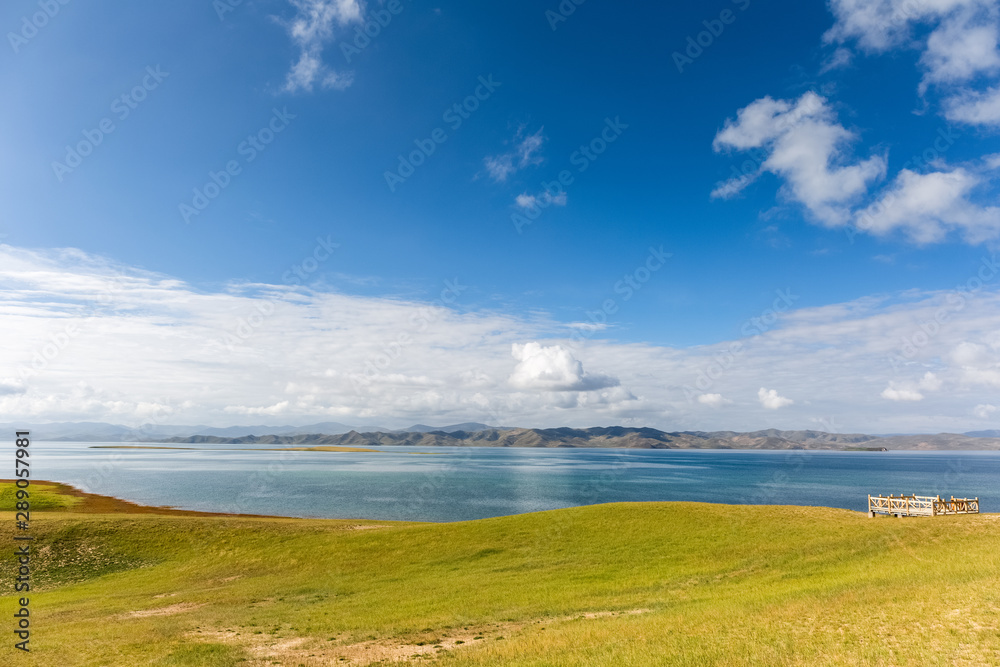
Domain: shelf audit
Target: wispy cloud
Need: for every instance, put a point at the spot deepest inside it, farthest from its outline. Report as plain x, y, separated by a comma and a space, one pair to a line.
528, 201
311, 29
525, 154
839, 59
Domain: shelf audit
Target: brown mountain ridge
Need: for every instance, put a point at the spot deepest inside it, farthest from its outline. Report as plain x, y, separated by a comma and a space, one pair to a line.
616, 437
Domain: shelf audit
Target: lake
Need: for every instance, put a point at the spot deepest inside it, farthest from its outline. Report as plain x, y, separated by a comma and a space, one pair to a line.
461, 483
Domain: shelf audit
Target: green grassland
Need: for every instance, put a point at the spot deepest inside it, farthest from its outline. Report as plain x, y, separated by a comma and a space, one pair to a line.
621, 584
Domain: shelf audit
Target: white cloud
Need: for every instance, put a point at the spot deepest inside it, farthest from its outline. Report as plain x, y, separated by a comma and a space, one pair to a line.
927, 206
500, 167
152, 348
901, 394
770, 400
713, 400
959, 50
839, 59
553, 368
958, 40
311, 30
985, 410
879, 25
503, 166
527, 201
912, 391
524, 200
269, 411
975, 108
930, 382
807, 148
734, 186
978, 363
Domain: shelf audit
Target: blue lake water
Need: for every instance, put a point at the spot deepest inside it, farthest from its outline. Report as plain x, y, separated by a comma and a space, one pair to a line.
461, 483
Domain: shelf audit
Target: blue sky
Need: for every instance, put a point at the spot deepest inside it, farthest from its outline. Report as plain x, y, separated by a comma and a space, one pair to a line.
866, 134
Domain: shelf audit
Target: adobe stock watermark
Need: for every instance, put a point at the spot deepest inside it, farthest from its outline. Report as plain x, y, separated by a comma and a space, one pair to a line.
223, 7
31, 24
714, 28
752, 328
248, 149
121, 108
297, 274
562, 12
454, 116
371, 29
627, 287
555, 191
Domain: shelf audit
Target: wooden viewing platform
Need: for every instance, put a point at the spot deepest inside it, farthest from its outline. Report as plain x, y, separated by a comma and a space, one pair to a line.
903, 505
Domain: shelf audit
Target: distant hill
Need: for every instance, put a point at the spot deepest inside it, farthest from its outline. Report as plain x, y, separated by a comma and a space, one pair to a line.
994, 433
102, 432
474, 434
617, 437
470, 427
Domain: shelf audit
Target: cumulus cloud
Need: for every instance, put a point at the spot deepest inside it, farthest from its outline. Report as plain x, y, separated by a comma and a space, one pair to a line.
959, 50
525, 154
985, 410
978, 363
713, 400
975, 108
311, 29
912, 391
927, 206
807, 149
770, 400
892, 393
553, 368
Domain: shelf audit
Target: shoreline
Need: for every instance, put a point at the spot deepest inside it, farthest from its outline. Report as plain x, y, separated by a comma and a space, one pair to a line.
95, 503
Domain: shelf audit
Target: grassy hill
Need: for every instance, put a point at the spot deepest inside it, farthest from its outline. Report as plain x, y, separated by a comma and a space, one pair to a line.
623, 584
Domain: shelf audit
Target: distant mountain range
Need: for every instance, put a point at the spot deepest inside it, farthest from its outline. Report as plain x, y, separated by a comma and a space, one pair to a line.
102, 432
619, 437
473, 434
984, 434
